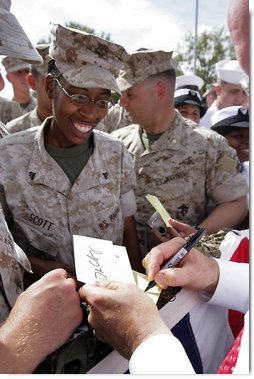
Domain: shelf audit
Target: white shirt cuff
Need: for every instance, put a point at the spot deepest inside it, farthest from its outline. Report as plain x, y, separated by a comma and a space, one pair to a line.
160, 354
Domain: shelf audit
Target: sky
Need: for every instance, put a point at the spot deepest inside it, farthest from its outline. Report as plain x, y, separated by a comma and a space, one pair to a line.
156, 24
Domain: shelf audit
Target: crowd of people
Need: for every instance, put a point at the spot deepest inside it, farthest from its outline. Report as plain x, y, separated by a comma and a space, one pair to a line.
73, 163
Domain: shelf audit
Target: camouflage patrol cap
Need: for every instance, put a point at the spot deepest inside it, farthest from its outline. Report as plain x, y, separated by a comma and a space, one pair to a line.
12, 64
43, 50
143, 64
85, 60
13, 40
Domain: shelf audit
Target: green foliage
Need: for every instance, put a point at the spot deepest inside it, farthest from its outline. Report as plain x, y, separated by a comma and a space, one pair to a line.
212, 46
78, 26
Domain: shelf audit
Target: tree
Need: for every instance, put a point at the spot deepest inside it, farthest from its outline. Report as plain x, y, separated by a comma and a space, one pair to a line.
212, 47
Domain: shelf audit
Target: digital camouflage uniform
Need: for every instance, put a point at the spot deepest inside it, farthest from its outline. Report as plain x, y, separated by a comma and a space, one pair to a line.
13, 262
3, 131
116, 118
24, 122
46, 209
183, 168
31, 118
9, 110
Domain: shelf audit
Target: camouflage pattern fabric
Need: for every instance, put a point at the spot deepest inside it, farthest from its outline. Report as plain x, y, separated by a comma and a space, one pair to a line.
13, 262
43, 50
142, 64
116, 118
85, 60
24, 122
13, 64
46, 209
9, 110
185, 167
3, 131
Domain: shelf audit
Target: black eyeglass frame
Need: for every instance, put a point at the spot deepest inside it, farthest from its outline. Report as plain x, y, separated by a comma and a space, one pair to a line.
85, 100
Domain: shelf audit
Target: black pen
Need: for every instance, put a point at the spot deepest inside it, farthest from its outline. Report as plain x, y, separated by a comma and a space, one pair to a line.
180, 254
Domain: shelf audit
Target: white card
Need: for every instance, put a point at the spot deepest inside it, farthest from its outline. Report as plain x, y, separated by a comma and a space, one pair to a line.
97, 259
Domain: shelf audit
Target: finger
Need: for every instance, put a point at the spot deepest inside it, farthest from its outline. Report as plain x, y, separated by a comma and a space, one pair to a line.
172, 277
107, 284
86, 292
160, 254
98, 295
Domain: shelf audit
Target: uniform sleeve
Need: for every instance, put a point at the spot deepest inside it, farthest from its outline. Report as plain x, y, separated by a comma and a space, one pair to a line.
225, 181
128, 201
160, 354
233, 287
128, 178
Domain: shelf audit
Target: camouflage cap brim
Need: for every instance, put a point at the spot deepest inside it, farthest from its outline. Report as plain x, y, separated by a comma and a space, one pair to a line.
86, 60
13, 40
126, 80
143, 64
88, 76
13, 64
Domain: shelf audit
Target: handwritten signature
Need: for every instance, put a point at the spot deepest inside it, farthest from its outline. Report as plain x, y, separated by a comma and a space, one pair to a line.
98, 272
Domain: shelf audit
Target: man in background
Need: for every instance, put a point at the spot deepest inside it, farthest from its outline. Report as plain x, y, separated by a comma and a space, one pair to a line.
229, 89
17, 71
37, 82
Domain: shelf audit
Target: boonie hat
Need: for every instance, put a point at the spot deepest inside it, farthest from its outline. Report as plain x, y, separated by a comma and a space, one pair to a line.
229, 118
43, 50
12, 64
187, 96
230, 71
85, 60
143, 64
189, 80
13, 40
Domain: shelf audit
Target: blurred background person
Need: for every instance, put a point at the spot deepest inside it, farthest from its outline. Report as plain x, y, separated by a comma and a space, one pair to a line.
36, 80
17, 71
189, 104
194, 82
233, 124
228, 89
210, 95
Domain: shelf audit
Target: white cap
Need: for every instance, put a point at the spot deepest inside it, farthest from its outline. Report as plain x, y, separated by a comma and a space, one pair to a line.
230, 71
193, 80
188, 96
226, 118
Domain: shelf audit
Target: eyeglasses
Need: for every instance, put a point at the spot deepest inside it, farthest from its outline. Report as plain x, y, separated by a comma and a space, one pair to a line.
85, 100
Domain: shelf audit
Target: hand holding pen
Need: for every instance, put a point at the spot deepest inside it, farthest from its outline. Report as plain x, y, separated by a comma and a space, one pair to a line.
173, 261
